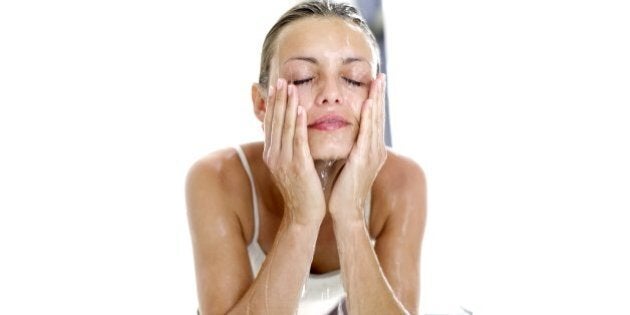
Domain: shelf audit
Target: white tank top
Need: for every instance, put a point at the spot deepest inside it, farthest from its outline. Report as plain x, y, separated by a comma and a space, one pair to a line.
322, 293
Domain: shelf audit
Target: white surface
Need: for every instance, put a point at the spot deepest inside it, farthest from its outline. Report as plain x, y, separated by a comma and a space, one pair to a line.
518, 112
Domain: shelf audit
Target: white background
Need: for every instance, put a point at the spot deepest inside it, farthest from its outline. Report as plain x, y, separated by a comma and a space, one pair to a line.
517, 112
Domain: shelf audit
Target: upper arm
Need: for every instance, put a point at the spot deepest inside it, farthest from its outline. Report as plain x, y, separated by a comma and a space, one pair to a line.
220, 250
398, 245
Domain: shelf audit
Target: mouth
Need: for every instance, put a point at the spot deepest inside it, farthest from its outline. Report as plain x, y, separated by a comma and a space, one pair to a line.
329, 123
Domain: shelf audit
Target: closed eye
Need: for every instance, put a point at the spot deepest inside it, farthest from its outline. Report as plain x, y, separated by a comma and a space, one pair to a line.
303, 81
353, 82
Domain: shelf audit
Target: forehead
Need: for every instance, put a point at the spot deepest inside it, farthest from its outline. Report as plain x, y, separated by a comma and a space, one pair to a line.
323, 37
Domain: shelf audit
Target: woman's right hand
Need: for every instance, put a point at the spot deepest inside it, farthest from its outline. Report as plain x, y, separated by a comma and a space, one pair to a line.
288, 156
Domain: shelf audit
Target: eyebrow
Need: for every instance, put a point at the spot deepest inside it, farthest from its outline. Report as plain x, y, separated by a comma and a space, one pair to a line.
307, 59
312, 60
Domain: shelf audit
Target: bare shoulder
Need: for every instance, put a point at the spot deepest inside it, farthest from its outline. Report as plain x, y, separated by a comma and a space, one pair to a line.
215, 172
215, 167
215, 186
398, 193
398, 223
400, 175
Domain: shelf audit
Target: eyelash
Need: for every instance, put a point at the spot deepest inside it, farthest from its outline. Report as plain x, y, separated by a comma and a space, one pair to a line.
353, 82
303, 81
349, 81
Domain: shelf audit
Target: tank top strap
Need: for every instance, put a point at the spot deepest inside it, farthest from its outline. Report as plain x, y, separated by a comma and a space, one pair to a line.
248, 170
367, 211
367, 208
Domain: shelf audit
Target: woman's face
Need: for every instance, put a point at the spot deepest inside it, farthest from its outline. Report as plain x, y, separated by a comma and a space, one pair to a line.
332, 64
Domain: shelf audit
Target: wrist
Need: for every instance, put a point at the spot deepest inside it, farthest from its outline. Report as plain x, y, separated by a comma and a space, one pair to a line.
346, 226
313, 220
347, 215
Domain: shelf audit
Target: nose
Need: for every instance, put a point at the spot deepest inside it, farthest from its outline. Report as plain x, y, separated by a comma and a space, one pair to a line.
330, 93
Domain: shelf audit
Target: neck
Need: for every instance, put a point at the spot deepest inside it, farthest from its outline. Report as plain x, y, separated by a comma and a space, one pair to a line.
328, 170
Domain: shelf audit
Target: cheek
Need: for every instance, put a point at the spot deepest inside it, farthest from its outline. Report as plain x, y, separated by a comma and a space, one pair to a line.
353, 97
356, 101
305, 94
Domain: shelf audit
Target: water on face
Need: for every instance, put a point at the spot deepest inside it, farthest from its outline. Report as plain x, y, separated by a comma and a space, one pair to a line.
325, 172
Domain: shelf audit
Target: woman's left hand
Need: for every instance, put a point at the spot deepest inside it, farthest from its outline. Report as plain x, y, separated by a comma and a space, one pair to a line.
365, 160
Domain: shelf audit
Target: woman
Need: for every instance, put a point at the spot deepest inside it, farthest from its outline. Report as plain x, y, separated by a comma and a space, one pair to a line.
321, 215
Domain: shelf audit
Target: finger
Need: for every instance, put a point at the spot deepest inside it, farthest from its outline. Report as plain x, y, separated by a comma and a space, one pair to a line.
365, 126
372, 94
289, 122
278, 117
379, 113
301, 150
269, 116
381, 147
369, 128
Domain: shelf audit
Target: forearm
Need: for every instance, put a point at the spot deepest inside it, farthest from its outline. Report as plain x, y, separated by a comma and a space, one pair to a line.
368, 291
277, 288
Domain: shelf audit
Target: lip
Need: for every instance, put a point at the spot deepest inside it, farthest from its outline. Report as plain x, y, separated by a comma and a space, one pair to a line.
328, 122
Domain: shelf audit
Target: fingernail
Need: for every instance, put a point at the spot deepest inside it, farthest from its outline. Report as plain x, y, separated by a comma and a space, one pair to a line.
300, 110
279, 85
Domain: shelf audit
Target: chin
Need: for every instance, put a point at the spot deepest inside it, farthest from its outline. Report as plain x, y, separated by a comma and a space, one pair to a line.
333, 145
329, 154
330, 150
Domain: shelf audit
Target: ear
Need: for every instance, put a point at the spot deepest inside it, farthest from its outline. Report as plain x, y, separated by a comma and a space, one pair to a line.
259, 100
